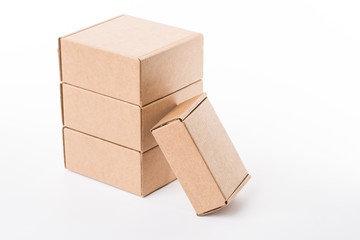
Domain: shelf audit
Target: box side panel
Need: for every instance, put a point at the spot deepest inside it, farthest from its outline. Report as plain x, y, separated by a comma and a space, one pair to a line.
103, 161
100, 71
102, 116
189, 166
216, 148
155, 111
171, 69
156, 171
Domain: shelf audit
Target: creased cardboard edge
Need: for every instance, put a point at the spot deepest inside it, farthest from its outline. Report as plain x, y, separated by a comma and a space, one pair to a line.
152, 102
88, 90
197, 147
142, 175
232, 196
201, 98
141, 133
59, 56
63, 139
93, 26
147, 194
188, 38
62, 104
169, 94
110, 141
105, 140
238, 188
193, 108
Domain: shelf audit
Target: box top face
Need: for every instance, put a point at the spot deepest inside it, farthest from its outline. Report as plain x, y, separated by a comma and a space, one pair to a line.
129, 36
181, 111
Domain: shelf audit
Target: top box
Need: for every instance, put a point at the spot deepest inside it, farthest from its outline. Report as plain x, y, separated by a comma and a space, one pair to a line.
131, 59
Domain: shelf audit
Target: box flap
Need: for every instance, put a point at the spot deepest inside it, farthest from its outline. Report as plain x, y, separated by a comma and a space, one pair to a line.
181, 111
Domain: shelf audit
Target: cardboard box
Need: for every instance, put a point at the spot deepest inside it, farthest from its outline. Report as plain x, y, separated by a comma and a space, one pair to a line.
201, 154
135, 172
131, 59
117, 121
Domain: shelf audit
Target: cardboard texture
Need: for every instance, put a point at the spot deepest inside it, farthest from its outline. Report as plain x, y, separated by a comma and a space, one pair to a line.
135, 172
131, 59
118, 78
201, 154
117, 121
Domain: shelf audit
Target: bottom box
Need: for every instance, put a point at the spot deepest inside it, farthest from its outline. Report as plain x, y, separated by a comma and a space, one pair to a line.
135, 172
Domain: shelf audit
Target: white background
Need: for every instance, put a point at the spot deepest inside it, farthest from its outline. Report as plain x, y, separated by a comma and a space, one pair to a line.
283, 77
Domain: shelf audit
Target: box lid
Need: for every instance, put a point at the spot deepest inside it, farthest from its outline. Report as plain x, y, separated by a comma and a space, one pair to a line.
201, 154
131, 59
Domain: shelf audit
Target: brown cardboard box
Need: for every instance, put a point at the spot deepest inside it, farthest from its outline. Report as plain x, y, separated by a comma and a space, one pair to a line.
117, 121
119, 78
131, 59
201, 154
135, 172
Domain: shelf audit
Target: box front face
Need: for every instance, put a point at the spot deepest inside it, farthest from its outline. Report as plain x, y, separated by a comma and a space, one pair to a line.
153, 112
102, 117
100, 71
103, 161
216, 148
189, 167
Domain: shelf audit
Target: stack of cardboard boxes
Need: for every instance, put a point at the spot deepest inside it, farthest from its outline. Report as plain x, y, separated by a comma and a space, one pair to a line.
119, 78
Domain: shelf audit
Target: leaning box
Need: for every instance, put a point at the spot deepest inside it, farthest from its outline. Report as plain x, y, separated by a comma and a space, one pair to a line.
201, 154
119, 78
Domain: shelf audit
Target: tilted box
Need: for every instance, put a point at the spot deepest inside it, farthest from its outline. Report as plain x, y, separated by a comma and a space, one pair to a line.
201, 154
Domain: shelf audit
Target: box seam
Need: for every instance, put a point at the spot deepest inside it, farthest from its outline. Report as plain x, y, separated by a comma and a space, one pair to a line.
101, 49
142, 174
241, 184
90, 135
210, 211
63, 137
181, 118
141, 109
60, 60
62, 104
167, 95
103, 139
238, 187
85, 89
